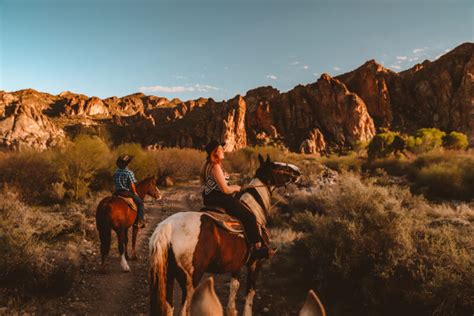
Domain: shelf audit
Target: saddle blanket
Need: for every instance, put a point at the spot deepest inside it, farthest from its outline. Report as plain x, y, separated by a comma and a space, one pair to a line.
128, 200
224, 220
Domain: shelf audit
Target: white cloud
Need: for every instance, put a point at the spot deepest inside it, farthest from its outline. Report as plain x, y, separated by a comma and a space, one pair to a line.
316, 74
336, 68
395, 67
294, 63
402, 57
413, 59
179, 89
179, 77
419, 50
305, 67
273, 77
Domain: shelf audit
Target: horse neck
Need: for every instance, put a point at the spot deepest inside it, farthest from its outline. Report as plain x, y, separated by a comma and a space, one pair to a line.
264, 190
141, 189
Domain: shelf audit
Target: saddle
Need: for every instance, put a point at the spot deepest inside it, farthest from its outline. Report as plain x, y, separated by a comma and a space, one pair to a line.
224, 220
127, 200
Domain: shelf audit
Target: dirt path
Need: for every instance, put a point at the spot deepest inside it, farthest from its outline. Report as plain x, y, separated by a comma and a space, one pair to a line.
118, 293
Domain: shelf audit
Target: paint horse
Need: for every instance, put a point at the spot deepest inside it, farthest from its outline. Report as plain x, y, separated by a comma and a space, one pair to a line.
188, 244
114, 212
206, 303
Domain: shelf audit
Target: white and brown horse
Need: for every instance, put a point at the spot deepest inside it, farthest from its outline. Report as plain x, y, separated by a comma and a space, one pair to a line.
188, 244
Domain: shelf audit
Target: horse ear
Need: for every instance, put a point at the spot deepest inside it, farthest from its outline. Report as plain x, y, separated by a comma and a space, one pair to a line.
205, 300
312, 306
268, 158
260, 159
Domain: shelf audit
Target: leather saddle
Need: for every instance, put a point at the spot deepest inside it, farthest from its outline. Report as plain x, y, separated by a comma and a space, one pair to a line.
127, 200
224, 220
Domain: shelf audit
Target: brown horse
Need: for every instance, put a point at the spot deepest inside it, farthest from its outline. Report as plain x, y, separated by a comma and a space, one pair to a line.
114, 213
188, 244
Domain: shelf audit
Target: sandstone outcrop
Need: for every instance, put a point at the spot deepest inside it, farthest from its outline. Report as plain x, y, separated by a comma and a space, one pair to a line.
314, 144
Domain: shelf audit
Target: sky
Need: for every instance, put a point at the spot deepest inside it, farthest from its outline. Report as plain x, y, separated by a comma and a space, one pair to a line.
189, 49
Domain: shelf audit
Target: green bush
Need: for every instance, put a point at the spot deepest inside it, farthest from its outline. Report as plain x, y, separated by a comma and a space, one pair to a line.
456, 141
79, 162
425, 140
373, 250
379, 146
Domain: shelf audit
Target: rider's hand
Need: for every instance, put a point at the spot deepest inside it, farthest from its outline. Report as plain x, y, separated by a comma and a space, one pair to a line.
236, 188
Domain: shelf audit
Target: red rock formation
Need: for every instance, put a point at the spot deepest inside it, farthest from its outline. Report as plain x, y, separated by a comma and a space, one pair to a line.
370, 82
314, 144
342, 109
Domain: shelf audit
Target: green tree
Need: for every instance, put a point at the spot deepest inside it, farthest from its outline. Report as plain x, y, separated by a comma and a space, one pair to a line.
79, 161
455, 140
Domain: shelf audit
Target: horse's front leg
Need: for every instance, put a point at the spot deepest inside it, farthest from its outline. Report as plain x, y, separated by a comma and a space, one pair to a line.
253, 269
234, 288
134, 242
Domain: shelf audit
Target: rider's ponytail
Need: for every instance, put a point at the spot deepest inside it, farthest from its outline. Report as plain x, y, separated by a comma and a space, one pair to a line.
203, 171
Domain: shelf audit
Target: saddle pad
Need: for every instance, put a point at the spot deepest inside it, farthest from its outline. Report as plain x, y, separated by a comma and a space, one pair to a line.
227, 222
129, 201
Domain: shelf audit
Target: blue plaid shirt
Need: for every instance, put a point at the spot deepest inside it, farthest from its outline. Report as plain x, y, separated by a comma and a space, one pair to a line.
123, 179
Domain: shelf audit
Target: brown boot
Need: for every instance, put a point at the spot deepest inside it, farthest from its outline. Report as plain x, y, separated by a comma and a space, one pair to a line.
263, 252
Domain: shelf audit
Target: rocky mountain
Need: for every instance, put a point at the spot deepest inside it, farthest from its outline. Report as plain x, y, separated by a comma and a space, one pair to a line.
333, 111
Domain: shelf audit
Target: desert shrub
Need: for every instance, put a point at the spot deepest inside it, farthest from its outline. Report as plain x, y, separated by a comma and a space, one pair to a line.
446, 175
373, 250
379, 146
37, 254
79, 162
360, 146
392, 165
32, 174
351, 162
425, 140
182, 163
455, 140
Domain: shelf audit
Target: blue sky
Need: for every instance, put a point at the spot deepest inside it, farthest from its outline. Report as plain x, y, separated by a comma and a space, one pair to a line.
189, 49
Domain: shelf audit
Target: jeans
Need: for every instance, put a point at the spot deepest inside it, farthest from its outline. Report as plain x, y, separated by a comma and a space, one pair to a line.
235, 208
138, 201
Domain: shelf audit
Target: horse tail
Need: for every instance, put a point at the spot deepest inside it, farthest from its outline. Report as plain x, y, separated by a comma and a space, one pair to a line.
160, 243
104, 226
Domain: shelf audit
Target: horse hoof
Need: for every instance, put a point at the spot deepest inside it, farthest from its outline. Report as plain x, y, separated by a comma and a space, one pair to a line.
134, 258
126, 270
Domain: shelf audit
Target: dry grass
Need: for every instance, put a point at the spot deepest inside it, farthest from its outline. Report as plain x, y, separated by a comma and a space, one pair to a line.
39, 246
380, 250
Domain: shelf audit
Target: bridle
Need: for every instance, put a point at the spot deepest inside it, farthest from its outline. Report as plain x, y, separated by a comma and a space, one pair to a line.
276, 185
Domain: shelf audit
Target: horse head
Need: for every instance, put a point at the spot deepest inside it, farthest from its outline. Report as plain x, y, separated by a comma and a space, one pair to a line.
148, 187
277, 173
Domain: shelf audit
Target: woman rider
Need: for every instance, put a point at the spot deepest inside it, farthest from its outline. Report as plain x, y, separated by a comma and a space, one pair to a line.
217, 192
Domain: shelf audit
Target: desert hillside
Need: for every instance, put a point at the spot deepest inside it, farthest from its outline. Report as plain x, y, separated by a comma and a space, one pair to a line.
331, 112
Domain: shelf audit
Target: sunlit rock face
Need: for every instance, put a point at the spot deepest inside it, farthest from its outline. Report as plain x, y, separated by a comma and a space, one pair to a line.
333, 111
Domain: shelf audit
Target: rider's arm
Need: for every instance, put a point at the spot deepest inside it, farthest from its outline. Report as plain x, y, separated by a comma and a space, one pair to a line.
132, 182
134, 188
221, 181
